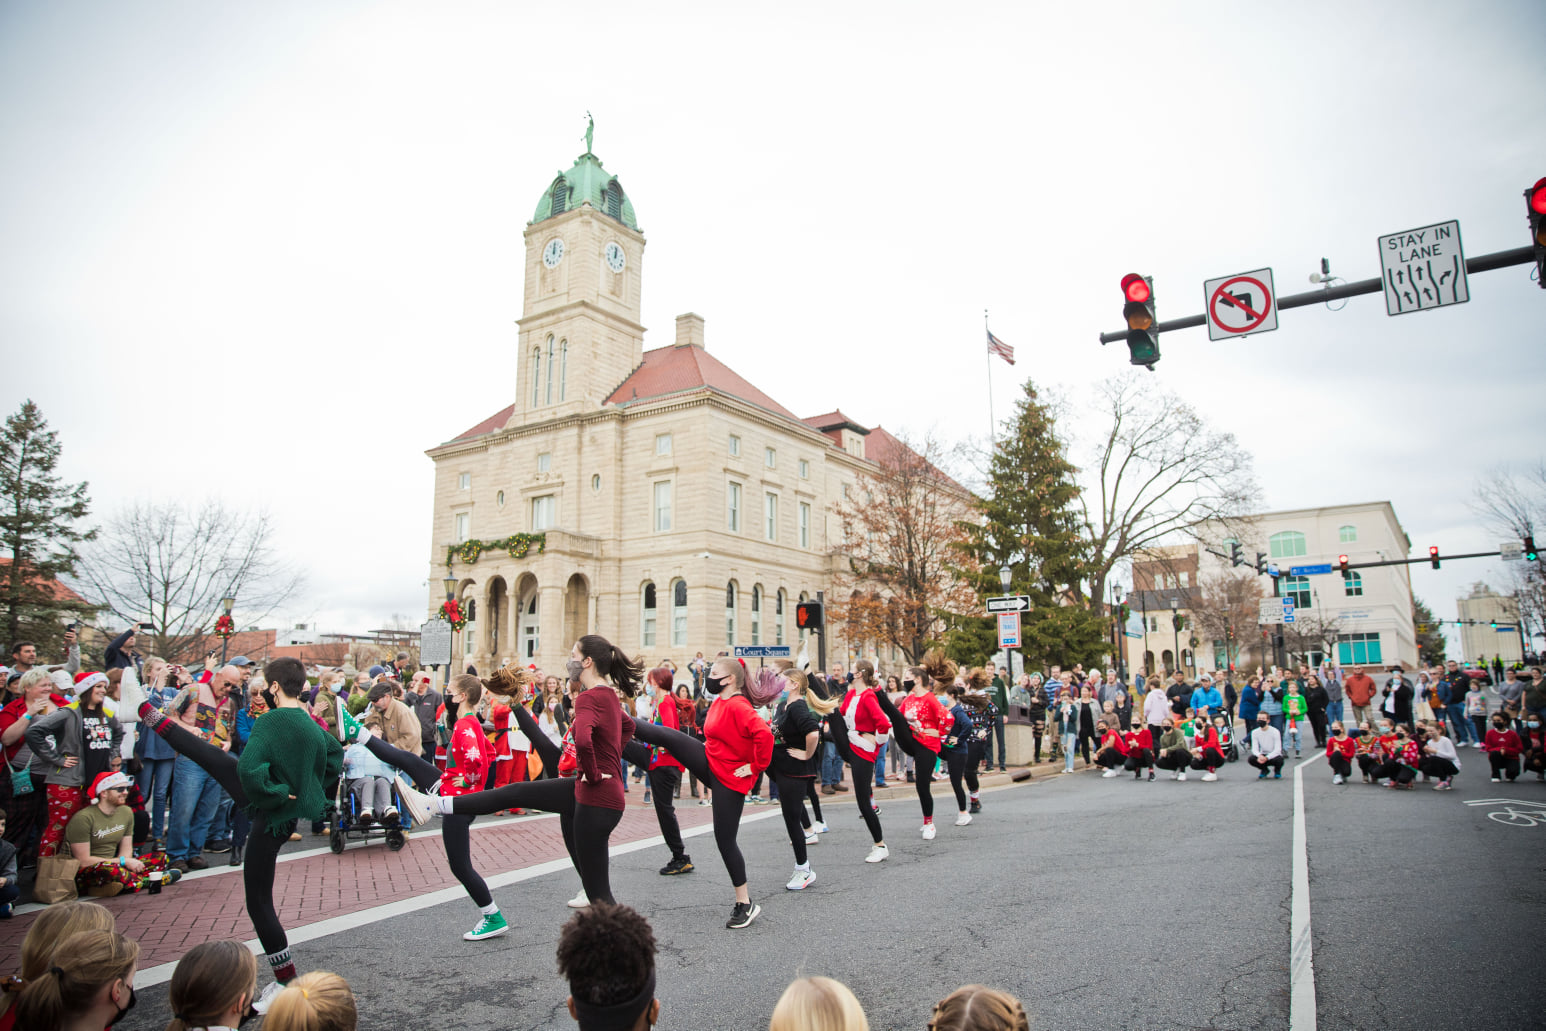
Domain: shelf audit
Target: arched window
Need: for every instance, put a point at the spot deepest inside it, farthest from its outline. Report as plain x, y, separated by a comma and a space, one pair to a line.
1347, 534
679, 614
1297, 588
647, 630
757, 614
563, 367
536, 376
1288, 544
548, 392
730, 614
614, 200
1353, 585
560, 197
778, 617
531, 628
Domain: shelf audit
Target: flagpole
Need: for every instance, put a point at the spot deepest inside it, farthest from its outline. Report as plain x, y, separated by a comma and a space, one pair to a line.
992, 424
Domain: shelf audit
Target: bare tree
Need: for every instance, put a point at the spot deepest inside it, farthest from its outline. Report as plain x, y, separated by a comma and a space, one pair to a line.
901, 551
1312, 630
1160, 472
174, 564
1226, 610
1512, 503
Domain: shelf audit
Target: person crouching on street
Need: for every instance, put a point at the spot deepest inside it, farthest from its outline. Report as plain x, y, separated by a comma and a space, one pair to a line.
1266, 748
1439, 758
1401, 766
1112, 752
1140, 751
1172, 753
1207, 750
1341, 750
1503, 748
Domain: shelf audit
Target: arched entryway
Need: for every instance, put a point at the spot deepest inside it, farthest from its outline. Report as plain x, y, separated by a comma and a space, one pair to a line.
496, 605
576, 609
528, 620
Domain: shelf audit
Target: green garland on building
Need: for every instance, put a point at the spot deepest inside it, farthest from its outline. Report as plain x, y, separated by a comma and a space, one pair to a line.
518, 545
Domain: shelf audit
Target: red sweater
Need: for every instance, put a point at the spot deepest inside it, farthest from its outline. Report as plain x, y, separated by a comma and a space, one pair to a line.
1139, 740
469, 758
666, 715
601, 729
862, 715
1504, 741
733, 736
1208, 738
1346, 746
1113, 739
930, 715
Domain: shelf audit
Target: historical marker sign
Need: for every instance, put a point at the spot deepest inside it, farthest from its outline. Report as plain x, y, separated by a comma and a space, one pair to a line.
1240, 304
435, 643
1423, 268
1009, 629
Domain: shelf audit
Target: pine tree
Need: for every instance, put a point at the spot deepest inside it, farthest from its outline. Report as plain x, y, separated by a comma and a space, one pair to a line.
1430, 635
1030, 522
37, 528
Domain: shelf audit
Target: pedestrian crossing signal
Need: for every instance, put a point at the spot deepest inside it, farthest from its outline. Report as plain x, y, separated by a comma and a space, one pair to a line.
1531, 555
808, 615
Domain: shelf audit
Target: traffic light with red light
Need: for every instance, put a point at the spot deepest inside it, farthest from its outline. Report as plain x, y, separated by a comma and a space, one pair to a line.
1138, 310
1433, 555
1342, 564
808, 616
1535, 205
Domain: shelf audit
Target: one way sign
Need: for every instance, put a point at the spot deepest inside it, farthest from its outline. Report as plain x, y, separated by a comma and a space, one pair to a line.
1010, 603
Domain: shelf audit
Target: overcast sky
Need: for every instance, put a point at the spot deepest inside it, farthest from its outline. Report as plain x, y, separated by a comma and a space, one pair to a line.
271, 253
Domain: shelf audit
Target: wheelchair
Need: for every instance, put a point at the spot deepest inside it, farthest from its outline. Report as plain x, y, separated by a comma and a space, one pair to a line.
344, 826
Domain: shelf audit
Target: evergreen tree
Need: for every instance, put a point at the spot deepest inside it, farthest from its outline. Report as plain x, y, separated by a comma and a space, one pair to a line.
1030, 522
1430, 635
37, 529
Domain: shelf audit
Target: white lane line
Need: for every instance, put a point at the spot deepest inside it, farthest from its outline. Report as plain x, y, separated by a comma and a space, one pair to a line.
349, 921
1301, 998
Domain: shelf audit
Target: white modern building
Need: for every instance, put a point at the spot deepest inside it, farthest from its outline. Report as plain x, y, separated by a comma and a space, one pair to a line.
1489, 626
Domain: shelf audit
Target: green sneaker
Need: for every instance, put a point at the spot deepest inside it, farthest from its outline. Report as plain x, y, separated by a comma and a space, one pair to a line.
350, 730
491, 926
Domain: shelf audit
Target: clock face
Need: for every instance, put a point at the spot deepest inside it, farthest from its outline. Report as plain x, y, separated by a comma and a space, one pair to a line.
616, 259
553, 253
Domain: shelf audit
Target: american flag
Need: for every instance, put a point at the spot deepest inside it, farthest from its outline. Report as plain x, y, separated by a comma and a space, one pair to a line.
998, 347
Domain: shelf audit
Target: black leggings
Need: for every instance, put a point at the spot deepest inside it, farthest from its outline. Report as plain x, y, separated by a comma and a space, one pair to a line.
1503, 765
1178, 759
455, 828
924, 757
664, 781
812, 796
1340, 764
262, 845
791, 799
728, 803
864, 775
956, 761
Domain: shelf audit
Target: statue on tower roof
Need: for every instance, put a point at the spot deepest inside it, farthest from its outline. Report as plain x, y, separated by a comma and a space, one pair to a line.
590, 130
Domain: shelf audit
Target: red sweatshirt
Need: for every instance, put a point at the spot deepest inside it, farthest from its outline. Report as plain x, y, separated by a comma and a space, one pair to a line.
468, 759
1113, 739
1347, 746
733, 736
665, 716
1139, 739
930, 715
601, 729
862, 715
1207, 738
1505, 741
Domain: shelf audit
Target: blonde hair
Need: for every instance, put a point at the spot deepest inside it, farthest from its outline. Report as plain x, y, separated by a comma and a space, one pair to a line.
819, 704
818, 1004
32, 676
211, 978
512, 681
78, 968
318, 1001
976, 1007
54, 925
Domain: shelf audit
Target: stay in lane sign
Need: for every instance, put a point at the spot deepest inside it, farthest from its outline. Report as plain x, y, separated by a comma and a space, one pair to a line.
1240, 304
1423, 268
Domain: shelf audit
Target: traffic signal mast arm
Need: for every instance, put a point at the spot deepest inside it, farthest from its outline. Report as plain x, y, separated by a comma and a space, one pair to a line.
1481, 263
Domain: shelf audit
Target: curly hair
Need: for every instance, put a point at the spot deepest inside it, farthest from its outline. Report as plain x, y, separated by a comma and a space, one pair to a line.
940, 668
607, 952
512, 681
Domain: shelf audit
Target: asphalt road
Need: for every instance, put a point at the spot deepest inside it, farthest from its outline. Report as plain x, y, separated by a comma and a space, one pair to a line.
1100, 903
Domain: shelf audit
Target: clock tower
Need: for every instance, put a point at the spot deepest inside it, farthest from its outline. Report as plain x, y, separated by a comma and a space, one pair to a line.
580, 331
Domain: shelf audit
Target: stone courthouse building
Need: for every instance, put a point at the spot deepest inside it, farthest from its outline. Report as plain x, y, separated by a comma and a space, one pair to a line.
654, 497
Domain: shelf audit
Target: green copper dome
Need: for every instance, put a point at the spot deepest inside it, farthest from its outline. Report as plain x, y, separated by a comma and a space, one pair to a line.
586, 182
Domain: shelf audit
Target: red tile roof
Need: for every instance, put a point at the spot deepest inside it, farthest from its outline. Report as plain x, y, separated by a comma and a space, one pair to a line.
494, 422
60, 592
882, 448
675, 370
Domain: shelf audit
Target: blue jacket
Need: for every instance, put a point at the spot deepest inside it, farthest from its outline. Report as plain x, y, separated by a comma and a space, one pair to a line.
1250, 703
153, 746
1211, 698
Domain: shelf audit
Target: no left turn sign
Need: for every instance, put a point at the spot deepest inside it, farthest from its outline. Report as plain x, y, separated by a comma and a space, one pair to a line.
1240, 304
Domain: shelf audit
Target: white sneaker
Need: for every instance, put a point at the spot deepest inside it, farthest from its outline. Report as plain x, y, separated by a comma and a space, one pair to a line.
928, 831
877, 854
801, 880
1175, 775
1181, 775
580, 901
264, 1001
1210, 776
416, 802
819, 826
1109, 773
963, 819
1337, 779
1497, 780
812, 838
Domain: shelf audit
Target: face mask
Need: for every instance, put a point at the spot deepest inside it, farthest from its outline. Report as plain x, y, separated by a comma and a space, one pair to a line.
1497, 725
122, 1012
715, 685
1263, 726
1534, 724
1358, 733
574, 667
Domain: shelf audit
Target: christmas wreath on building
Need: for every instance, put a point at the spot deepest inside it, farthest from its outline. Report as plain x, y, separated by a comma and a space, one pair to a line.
451, 612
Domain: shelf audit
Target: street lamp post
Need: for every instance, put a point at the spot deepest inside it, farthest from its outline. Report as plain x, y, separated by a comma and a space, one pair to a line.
449, 583
1117, 632
1175, 622
228, 603
1005, 574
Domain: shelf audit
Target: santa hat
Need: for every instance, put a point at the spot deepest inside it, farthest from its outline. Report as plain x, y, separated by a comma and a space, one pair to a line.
108, 781
85, 681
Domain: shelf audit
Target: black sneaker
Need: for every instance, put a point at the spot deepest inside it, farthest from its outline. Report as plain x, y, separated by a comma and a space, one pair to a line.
218, 847
975, 807
197, 863
743, 914
678, 864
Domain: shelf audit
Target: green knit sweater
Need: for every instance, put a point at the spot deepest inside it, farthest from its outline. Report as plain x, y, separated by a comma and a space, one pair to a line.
289, 754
